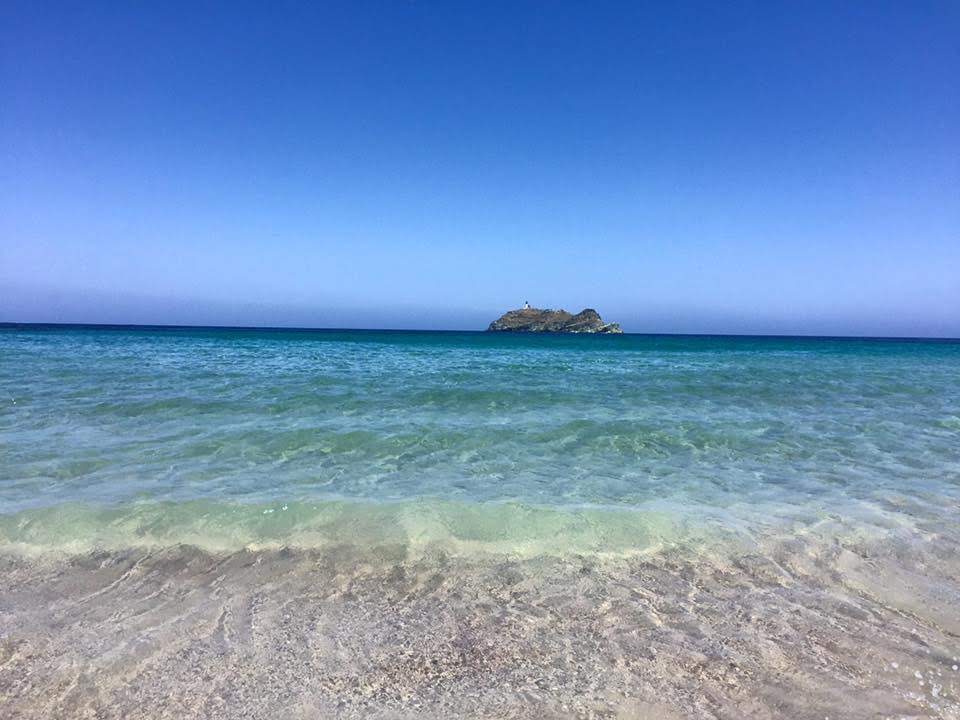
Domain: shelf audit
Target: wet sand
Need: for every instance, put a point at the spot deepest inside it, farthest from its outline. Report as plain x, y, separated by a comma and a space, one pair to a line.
794, 629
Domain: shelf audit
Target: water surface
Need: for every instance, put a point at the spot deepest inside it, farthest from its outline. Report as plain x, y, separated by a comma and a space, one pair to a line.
245, 436
301, 524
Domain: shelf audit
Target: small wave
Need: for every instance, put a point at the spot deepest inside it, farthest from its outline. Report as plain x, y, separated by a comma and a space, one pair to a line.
513, 529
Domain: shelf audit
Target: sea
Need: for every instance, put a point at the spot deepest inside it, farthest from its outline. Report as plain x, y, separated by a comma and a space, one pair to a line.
485, 524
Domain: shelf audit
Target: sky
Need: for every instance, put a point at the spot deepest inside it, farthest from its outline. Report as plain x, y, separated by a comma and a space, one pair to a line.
737, 167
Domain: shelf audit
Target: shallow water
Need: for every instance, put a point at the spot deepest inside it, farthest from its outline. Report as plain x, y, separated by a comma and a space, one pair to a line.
203, 430
703, 526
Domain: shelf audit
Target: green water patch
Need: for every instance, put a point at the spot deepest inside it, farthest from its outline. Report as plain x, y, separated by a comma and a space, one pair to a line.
416, 526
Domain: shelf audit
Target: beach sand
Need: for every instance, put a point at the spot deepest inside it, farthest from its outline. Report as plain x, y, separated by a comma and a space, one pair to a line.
797, 628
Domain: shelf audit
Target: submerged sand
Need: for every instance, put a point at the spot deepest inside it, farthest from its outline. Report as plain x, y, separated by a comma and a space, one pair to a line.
793, 629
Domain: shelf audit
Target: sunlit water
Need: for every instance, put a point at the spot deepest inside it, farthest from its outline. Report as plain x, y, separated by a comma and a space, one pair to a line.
262, 524
525, 444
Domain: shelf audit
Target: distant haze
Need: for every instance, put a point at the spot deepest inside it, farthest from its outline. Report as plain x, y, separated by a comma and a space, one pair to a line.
727, 168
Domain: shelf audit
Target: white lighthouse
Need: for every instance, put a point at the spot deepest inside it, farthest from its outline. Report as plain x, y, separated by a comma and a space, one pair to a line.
526, 305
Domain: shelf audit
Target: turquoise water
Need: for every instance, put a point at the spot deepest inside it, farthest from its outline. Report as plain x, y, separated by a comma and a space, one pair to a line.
243, 437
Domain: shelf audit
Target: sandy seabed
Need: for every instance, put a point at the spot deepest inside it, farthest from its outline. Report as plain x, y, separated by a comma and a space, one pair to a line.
796, 629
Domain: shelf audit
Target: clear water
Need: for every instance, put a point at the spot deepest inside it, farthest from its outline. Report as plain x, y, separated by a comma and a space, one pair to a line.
231, 438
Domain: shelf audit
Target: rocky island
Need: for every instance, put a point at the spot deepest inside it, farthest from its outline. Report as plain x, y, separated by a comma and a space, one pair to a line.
528, 319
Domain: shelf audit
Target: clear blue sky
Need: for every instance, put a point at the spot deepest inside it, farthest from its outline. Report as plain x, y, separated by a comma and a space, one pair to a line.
682, 167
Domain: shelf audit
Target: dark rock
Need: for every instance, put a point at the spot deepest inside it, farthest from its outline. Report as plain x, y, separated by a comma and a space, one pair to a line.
536, 320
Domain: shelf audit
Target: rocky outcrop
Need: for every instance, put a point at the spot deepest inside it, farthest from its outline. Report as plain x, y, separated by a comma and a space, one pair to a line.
536, 320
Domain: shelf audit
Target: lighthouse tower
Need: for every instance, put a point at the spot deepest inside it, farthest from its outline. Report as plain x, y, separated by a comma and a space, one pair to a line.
526, 305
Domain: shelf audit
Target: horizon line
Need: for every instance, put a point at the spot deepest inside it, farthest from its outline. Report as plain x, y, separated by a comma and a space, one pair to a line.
280, 328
